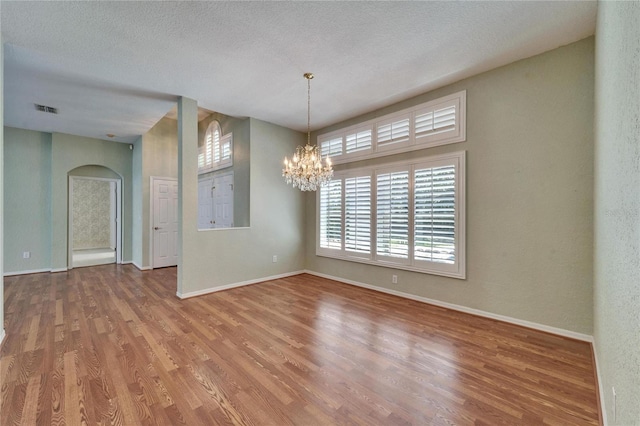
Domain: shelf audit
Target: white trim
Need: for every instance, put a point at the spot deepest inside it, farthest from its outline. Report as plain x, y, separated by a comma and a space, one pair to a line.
234, 285
27, 272
2, 336
457, 270
53, 271
118, 218
600, 385
141, 268
412, 143
528, 324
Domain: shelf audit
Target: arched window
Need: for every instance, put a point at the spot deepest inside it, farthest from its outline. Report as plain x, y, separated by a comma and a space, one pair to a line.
217, 150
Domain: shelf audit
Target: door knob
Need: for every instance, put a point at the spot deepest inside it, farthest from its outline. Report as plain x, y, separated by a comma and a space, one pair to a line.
156, 228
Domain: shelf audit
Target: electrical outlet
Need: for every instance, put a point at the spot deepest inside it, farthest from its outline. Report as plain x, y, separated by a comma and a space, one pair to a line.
394, 279
613, 391
275, 258
26, 254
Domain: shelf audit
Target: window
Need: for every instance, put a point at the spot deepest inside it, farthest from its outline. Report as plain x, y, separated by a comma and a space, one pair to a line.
407, 215
217, 150
393, 132
331, 215
331, 147
357, 214
358, 141
392, 215
438, 122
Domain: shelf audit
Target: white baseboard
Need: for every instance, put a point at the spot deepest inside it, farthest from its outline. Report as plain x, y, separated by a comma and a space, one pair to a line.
460, 308
600, 385
59, 270
31, 271
234, 285
142, 268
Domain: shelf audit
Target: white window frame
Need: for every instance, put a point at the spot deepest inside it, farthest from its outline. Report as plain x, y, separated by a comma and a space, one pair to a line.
456, 270
453, 135
212, 164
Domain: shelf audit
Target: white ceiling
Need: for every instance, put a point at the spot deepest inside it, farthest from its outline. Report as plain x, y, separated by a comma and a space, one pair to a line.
118, 67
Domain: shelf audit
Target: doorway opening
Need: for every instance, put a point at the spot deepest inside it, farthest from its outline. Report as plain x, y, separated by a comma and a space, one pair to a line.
95, 228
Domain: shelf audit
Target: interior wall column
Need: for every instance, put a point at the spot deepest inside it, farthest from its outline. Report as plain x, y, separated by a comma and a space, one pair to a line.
187, 182
2, 334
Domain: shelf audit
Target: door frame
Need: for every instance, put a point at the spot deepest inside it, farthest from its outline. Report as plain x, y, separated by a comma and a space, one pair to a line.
118, 220
152, 179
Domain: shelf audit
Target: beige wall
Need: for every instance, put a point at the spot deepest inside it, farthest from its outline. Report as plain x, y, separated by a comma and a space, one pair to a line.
529, 195
156, 154
617, 209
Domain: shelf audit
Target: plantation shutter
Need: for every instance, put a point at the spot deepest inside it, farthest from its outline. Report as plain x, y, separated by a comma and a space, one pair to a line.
393, 214
395, 131
357, 200
201, 157
358, 141
331, 147
216, 147
225, 150
435, 215
433, 122
205, 156
331, 215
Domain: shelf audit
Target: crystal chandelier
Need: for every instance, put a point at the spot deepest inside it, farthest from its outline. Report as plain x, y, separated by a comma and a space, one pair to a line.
305, 170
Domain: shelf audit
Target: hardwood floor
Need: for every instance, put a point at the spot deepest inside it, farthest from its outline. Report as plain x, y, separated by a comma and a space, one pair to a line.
113, 345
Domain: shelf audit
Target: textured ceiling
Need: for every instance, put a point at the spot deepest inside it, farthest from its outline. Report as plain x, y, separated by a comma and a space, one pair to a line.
118, 67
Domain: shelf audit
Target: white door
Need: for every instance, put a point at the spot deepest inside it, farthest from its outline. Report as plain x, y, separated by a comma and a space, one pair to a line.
223, 201
165, 222
205, 204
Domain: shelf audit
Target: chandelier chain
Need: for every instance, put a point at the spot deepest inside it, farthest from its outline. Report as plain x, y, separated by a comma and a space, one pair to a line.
309, 108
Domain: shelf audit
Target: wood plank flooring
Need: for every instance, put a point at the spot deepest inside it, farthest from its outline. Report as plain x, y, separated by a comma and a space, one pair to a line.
113, 345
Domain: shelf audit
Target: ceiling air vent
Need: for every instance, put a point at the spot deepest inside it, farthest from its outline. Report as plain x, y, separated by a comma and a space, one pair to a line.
44, 108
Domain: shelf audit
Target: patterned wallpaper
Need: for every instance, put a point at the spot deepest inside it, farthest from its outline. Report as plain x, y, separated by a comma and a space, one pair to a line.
91, 202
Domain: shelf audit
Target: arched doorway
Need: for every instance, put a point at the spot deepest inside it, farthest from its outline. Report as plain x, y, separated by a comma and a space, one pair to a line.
95, 210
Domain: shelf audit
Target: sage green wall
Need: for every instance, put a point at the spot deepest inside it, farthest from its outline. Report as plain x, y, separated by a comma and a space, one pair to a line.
617, 209
216, 258
529, 194
27, 192
94, 171
36, 186
156, 154
69, 152
241, 165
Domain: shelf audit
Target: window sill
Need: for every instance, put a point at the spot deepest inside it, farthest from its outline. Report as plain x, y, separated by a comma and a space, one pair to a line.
460, 274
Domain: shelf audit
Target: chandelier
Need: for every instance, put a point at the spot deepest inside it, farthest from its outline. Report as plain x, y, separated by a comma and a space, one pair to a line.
305, 170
